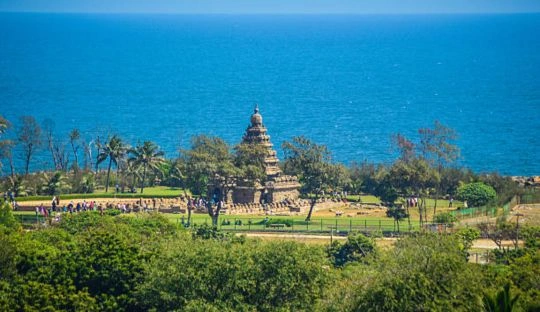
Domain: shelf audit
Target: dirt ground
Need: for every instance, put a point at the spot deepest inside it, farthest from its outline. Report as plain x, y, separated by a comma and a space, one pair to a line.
528, 214
479, 244
348, 210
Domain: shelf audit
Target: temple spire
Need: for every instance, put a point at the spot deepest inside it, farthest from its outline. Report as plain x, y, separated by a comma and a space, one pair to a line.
256, 133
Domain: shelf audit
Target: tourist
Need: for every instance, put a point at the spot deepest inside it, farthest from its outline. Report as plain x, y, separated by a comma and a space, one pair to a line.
450, 202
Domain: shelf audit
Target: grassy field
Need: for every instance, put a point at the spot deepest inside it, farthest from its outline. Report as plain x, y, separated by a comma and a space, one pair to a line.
149, 192
250, 223
297, 224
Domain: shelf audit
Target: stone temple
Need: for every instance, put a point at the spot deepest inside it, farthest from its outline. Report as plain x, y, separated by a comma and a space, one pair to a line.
277, 187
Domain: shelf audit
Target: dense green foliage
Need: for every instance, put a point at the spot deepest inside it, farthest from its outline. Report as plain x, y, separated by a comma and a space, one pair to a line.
444, 218
144, 263
356, 247
476, 194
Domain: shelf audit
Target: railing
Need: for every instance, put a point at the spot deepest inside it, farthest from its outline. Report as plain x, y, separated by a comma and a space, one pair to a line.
486, 211
531, 197
477, 212
315, 226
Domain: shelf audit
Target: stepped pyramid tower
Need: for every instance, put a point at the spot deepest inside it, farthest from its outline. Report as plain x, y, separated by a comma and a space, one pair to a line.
277, 187
256, 133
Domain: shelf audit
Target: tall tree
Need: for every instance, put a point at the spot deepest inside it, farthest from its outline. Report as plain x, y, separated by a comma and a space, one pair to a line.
404, 146
202, 161
29, 137
209, 162
6, 151
48, 132
147, 156
414, 177
74, 137
114, 149
249, 159
88, 160
311, 163
6, 146
437, 147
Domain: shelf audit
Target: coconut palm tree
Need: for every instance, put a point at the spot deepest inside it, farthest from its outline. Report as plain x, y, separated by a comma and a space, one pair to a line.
147, 156
134, 171
54, 183
503, 301
115, 149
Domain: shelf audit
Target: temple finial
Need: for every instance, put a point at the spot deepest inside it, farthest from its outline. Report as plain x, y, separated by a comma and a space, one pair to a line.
256, 108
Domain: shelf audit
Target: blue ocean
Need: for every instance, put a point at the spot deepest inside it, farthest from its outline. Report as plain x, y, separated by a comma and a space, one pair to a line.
347, 81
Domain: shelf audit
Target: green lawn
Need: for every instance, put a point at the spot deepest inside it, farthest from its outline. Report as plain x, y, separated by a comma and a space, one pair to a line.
365, 199
297, 223
149, 192
256, 223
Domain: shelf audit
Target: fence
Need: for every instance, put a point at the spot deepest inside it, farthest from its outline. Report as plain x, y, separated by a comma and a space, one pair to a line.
531, 197
485, 211
477, 212
317, 226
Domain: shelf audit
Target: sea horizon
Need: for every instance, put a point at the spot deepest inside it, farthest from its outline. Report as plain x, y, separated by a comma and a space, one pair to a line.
349, 81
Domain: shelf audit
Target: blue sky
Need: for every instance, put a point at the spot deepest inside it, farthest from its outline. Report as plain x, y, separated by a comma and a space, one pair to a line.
274, 6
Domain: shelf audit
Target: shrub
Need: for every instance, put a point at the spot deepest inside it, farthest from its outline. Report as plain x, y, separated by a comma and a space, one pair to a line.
476, 194
421, 273
445, 218
287, 222
356, 248
7, 218
214, 275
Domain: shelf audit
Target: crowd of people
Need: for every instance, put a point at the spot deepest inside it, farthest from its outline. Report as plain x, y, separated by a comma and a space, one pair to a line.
71, 207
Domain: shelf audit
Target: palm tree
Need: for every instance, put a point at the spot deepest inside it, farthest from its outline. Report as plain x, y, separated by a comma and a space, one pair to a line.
133, 170
55, 183
147, 156
501, 302
114, 149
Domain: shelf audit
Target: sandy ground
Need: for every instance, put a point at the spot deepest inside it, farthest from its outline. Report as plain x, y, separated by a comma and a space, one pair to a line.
478, 244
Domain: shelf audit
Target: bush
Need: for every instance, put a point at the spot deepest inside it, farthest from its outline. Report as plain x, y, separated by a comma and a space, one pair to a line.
422, 273
476, 194
7, 218
356, 248
287, 222
445, 218
222, 276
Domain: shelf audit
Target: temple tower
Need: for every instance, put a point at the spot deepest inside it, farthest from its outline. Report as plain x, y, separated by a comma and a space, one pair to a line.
277, 187
256, 133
